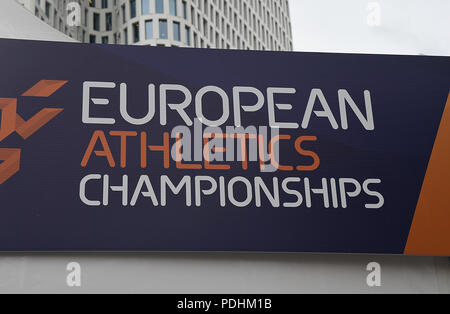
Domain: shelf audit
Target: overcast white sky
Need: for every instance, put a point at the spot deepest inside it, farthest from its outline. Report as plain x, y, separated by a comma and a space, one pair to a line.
401, 26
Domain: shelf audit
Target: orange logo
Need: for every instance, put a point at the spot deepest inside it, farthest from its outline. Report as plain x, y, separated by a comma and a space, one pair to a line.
11, 122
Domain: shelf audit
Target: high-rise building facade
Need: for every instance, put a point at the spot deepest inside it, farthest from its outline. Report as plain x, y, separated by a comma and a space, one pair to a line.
223, 24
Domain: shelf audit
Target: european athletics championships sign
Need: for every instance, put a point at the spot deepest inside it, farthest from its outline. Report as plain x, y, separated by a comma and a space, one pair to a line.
123, 148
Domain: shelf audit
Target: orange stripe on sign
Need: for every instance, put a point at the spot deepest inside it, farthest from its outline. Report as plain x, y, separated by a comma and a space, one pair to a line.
430, 230
8, 110
28, 128
10, 164
44, 88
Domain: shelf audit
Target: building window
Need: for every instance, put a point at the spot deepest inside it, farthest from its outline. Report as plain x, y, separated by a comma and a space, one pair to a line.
184, 5
125, 31
145, 4
108, 21
86, 12
205, 28
133, 8
96, 22
135, 32
105, 40
160, 6
92, 3
47, 9
173, 7
124, 17
149, 29
176, 31
163, 33
104, 4
92, 39
188, 35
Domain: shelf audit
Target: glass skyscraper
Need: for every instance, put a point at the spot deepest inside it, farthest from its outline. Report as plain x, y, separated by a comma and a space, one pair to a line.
223, 24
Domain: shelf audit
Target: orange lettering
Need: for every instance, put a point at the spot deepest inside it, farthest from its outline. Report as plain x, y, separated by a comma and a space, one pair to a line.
274, 162
123, 145
106, 152
301, 151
